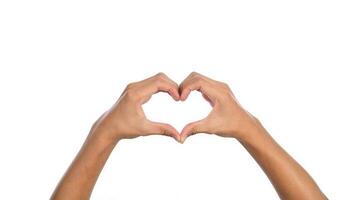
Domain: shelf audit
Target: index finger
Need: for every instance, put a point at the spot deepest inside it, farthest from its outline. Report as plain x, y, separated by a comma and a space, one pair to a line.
158, 83
197, 82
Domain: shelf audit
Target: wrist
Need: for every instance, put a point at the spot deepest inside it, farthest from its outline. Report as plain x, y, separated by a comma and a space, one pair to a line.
254, 137
104, 133
103, 138
249, 130
250, 137
259, 141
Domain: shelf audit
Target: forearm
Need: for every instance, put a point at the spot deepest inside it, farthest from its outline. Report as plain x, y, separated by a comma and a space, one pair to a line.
125, 119
80, 178
289, 178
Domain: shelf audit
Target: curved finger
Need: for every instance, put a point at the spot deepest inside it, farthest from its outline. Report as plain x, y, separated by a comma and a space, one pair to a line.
170, 81
158, 83
196, 83
191, 129
157, 128
171, 86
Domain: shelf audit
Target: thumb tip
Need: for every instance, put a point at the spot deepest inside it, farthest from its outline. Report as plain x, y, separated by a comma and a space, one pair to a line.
182, 139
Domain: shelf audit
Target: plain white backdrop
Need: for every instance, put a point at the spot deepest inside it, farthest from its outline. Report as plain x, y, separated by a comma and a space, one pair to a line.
296, 65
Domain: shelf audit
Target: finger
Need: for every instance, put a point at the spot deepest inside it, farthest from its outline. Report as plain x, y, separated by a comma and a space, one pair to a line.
191, 129
174, 84
183, 93
165, 84
158, 83
197, 83
168, 87
194, 75
173, 91
157, 128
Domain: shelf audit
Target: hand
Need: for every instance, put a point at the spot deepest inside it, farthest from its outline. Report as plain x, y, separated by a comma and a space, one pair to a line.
227, 118
126, 118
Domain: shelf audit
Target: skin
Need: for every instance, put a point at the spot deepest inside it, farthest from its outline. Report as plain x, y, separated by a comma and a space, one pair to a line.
228, 119
126, 120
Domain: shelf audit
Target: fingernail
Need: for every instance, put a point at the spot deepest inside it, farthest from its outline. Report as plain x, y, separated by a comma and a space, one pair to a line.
182, 140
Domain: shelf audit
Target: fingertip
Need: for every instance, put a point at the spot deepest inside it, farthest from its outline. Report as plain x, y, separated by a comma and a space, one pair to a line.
172, 132
184, 133
177, 139
176, 98
175, 95
176, 136
184, 95
182, 140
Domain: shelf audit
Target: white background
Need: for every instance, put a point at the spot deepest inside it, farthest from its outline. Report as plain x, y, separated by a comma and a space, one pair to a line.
293, 64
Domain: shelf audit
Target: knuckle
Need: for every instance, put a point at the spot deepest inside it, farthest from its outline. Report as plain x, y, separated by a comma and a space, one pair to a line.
160, 75
226, 97
257, 120
198, 79
194, 128
224, 85
159, 81
132, 94
194, 74
163, 131
225, 88
130, 86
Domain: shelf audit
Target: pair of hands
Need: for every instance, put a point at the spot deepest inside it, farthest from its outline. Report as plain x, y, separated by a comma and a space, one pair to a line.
126, 118
227, 118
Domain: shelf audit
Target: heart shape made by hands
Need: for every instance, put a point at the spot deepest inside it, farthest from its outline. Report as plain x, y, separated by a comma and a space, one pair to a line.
162, 108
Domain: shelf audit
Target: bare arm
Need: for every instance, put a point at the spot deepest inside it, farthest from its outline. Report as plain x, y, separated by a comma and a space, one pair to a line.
229, 119
288, 177
125, 119
79, 180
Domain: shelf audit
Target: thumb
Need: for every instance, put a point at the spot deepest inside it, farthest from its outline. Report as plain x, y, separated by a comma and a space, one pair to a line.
157, 128
191, 129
